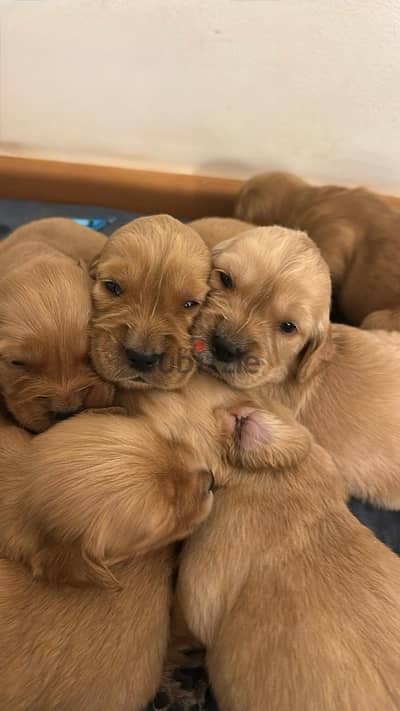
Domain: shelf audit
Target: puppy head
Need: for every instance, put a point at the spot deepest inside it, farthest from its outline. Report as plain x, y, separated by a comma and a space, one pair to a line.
266, 198
121, 490
45, 373
267, 312
259, 439
150, 281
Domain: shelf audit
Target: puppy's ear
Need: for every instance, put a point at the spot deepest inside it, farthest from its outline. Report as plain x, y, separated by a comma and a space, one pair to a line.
60, 564
315, 353
128, 526
99, 573
264, 439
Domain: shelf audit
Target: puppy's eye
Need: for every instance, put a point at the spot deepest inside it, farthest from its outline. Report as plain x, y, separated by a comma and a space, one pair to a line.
287, 327
18, 363
190, 304
113, 287
226, 280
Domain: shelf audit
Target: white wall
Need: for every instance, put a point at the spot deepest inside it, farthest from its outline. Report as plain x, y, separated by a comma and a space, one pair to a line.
224, 87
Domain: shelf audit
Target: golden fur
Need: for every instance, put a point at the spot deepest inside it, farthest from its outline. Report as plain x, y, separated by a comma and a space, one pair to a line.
157, 265
217, 229
60, 233
356, 230
339, 381
95, 501
296, 602
45, 307
386, 319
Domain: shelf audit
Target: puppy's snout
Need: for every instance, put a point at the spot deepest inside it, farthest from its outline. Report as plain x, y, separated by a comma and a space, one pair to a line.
225, 350
59, 415
141, 360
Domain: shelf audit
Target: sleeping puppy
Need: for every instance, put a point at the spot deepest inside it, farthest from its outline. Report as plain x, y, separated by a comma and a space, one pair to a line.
150, 281
265, 328
356, 230
284, 587
98, 501
66, 236
45, 307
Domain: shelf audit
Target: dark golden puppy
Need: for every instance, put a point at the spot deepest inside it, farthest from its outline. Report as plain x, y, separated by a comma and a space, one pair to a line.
45, 306
151, 279
265, 329
60, 233
95, 501
356, 230
284, 587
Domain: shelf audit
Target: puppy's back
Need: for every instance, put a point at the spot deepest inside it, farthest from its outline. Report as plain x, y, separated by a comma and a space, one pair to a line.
58, 233
70, 649
218, 229
303, 611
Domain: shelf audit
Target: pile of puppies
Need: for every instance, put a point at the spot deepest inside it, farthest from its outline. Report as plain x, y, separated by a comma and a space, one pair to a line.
222, 409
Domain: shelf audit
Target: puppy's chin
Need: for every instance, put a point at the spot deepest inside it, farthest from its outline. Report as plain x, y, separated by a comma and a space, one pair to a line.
242, 376
110, 361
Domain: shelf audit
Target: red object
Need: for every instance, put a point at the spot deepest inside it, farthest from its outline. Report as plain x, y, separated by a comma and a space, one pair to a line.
199, 346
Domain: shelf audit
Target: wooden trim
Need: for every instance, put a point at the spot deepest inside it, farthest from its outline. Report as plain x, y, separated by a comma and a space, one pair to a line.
121, 188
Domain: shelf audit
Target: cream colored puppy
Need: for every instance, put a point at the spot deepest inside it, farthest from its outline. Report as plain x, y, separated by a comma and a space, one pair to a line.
265, 329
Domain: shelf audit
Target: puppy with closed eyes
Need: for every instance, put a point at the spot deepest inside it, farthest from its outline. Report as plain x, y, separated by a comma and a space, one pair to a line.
45, 307
265, 329
97, 502
284, 587
356, 230
150, 281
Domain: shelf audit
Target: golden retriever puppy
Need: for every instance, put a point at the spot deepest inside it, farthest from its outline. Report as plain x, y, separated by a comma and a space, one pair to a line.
101, 498
284, 587
150, 281
61, 234
265, 329
217, 229
45, 307
356, 230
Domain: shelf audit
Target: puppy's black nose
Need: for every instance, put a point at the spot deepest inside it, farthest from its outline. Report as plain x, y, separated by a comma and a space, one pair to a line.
59, 415
226, 351
143, 361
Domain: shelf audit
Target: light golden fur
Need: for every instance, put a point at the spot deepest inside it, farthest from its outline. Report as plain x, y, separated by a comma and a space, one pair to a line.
297, 603
386, 319
94, 502
339, 381
218, 229
45, 307
356, 230
160, 265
